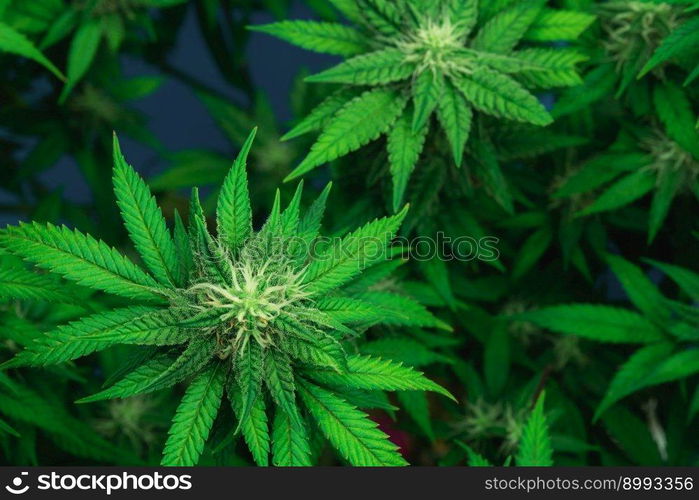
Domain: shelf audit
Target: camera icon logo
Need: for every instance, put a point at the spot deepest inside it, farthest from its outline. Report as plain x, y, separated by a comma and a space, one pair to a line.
16, 487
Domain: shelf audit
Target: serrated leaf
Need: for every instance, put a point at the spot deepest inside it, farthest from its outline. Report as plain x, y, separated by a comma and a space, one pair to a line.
631, 375
535, 443
558, 25
344, 260
456, 116
194, 418
427, 90
681, 39
130, 325
324, 37
318, 350
464, 14
350, 431
14, 42
360, 121
233, 211
474, 459
374, 68
501, 33
366, 372
254, 428
22, 284
405, 350
675, 110
138, 381
144, 221
404, 148
596, 322
624, 191
290, 446
249, 368
322, 113
79, 258
640, 289
499, 95
279, 378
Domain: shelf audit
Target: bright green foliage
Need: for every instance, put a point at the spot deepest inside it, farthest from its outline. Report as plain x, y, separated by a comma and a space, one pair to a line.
535, 445
254, 317
449, 55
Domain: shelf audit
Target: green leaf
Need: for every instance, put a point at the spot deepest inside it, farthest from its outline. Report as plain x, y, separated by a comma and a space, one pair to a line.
535, 443
279, 377
249, 369
359, 122
499, 95
416, 405
309, 225
322, 113
675, 110
233, 211
318, 350
456, 116
15, 42
474, 459
639, 288
600, 170
359, 249
373, 68
139, 381
327, 38
559, 25
145, 222
194, 418
502, 33
404, 148
195, 356
551, 67
632, 435
350, 430
255, 428
463, 14
82, 51
405, 350
595, 322
402, 310
366, 372
633, 373
670, 183
290, 446
427, 91
624, 191
687, 280
129, 325
531, 251
680, 40
79, 258
19, 283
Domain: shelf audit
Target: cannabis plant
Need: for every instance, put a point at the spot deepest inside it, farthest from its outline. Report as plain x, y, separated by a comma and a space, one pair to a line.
665, 329
408, 59
662, 157
243, 313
